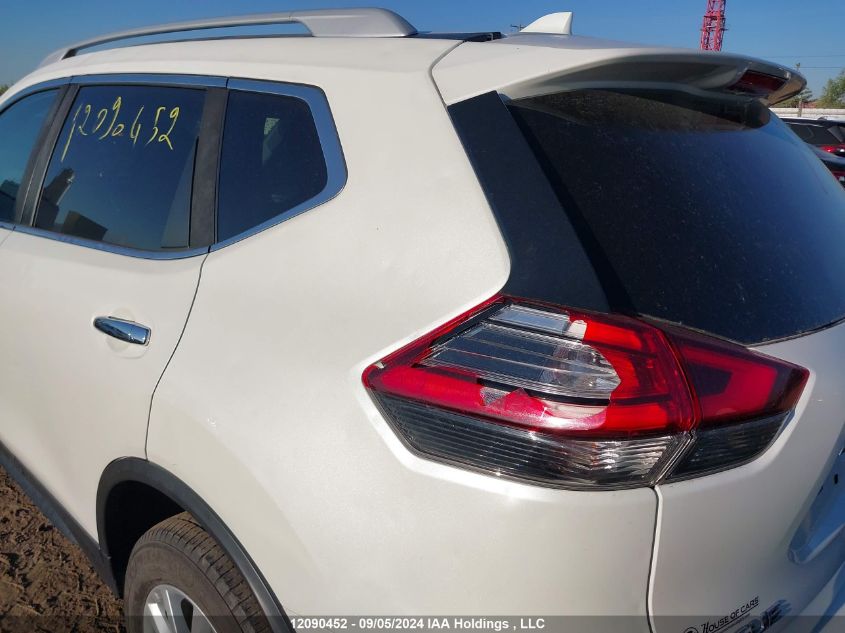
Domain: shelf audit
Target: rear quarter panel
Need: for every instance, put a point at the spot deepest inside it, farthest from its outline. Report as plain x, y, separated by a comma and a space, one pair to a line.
262, 410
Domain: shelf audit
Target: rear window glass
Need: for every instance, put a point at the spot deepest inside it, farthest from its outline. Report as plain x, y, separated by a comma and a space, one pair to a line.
271, 161
707, 213
122, 170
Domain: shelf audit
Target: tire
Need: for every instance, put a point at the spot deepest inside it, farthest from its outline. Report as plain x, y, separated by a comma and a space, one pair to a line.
178, 559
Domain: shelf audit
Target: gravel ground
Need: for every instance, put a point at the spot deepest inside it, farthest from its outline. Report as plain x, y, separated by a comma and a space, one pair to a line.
46, 582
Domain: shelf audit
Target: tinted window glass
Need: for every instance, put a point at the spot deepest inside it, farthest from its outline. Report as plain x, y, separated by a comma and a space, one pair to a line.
823, 135
837, 132
707, 213
272, 160
19, 128
123, 166
816, 134
804, 131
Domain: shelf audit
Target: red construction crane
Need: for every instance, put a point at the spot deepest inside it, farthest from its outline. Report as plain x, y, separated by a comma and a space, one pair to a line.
713, 26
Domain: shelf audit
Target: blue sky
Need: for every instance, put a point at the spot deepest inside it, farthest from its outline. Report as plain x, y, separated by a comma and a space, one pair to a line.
810, 32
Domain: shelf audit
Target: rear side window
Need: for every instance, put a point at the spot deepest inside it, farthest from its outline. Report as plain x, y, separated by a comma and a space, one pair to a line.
708, 213
817, 134
19, 127
122, 169
271, 161
804, 131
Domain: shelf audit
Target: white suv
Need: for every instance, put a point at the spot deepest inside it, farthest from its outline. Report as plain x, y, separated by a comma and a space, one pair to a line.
379, 322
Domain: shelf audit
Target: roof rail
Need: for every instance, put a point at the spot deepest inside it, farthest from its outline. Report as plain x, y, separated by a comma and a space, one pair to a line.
320, 22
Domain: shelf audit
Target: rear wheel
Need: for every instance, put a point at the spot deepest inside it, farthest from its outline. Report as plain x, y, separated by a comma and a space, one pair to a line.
179, 580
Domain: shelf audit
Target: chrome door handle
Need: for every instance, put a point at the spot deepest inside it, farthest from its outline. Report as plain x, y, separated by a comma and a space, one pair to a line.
122, 330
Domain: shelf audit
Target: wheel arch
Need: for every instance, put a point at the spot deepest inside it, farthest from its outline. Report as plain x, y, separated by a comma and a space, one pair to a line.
135, 494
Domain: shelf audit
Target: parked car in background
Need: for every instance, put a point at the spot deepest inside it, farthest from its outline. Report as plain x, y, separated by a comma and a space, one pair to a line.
827, 135
380, 322
834, 163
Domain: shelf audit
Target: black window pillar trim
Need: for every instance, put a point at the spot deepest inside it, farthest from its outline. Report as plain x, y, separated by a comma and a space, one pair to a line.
132, 469
46, 144
43, 135
548, 259
62, 87
207, 168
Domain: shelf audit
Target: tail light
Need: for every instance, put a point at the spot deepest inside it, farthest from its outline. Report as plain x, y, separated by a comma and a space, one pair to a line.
833, 149
580, 400
756, 83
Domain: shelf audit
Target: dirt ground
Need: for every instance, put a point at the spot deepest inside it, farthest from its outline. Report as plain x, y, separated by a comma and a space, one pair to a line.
46, 582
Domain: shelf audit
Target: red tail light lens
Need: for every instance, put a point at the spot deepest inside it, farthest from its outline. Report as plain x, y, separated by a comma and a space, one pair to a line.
583, 399
840, 176
545, 371
733, 384
756, 83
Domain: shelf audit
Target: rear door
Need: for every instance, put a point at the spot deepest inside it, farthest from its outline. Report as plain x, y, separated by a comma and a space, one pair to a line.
98, 279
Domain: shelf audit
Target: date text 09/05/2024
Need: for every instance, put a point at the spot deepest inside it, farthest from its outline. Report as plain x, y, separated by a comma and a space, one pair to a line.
419, 623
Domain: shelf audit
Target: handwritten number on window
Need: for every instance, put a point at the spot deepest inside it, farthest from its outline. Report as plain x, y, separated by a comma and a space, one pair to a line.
110, 124
165, 138
116, 110
135, 130
82, 125
102, 115
72, 130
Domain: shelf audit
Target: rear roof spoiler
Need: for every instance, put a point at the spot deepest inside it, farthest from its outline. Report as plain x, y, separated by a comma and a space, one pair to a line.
530, 64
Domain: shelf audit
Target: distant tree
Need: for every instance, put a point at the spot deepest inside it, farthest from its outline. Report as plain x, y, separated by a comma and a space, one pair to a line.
833, 95
804, 96
3, 88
